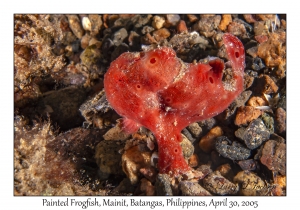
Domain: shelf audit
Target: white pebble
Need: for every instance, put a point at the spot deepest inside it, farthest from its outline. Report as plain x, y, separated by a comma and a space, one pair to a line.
86, 24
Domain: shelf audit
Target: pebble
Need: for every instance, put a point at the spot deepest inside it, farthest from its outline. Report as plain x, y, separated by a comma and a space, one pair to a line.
181, 27
239, 101
158, 22
187, 147
195, 129
107, 45
133, 38
261, 28
237, 29
188, 135
252, 51
125, 186
193, 161
249, 18
86, 24
277, 138
90, 55
85, 41
161, 34
172, 20
141, 20
96, 23
282, 99
256, 101
207, 142
266, 85
219, 185
257, 64
116, 133
203, 170
75, 25
119, 36
273, 155
280, 119
147, 29
163, 185
250, 184
148, 39
280, 183
94, 41
150, 173
192, 18
225, 170
261, 38
248, 165
268, 121
273, 51
119, 50
108, 158
192, 189
135, 158
197, 39
246, 114
254, 135
248, 80
207, 24
232, 150
208, 124
147, 188
226, 19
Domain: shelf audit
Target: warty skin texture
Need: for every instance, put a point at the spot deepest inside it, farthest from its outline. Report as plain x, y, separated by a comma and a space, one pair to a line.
157, 90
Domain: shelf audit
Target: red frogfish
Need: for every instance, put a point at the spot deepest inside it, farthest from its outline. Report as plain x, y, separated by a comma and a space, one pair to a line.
159, 91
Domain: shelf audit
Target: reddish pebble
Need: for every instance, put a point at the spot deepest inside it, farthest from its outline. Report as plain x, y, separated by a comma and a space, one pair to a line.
181, 27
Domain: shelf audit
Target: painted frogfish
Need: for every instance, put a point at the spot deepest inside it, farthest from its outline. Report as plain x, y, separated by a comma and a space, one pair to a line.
159, 91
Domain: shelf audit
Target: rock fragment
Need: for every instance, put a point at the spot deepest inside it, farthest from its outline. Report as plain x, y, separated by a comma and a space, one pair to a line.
193, 161
161, 34
172, 20
195, 129
226, 19
163, 185
108, 158
192, 18
135, 158
181, 27
158, 22
207, 142
268, 121
246, 114
232, 150
280, 119
116, 133
250, 184
192, 189
207, 24
248, 165
147, 188
273, 51
187, 147
119, 36
256, 101
96, 23
254, 135
75, 25
237, 29
219, 185
273, 156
